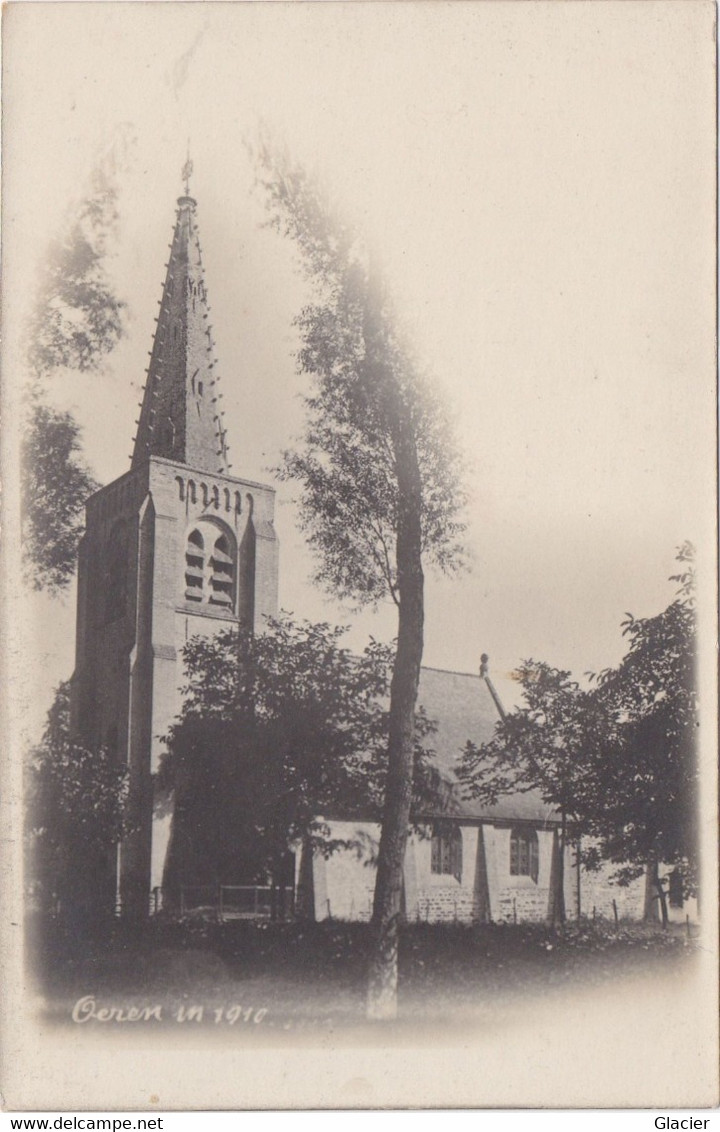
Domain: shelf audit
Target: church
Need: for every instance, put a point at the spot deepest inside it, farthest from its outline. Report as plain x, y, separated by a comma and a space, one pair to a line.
180, 546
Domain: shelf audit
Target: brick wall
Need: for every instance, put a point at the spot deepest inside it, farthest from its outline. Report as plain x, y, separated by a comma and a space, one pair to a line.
518, 897
597, 892
229, 504
128, 671
442, 898
343, 884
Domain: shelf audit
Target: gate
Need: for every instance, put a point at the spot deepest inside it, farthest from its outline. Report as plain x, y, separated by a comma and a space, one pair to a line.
238, 901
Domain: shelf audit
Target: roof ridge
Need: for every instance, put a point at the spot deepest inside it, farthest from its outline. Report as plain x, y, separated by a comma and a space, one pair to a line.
448, 671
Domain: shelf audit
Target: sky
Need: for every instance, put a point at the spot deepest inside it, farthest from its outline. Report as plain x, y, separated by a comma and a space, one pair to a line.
539, 181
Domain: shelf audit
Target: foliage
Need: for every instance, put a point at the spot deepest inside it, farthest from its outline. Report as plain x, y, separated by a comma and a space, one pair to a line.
365, 376
56, 482
619, 759
309, 976
542, 746
76, 805
649, 774
78, 321
275, 730
380, 480
539, 746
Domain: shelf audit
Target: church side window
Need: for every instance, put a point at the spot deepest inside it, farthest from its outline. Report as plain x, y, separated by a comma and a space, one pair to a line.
194, 567
446, 851
524, 853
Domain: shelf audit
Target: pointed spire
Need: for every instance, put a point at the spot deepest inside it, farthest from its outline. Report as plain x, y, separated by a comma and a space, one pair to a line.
180, 418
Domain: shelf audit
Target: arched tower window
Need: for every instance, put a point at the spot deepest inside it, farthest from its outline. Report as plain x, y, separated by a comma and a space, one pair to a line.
222, 573
524, 853
210, 567
446, 851
195, 566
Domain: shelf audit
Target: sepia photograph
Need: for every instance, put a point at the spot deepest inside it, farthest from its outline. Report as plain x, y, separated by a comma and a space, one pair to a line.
359, 560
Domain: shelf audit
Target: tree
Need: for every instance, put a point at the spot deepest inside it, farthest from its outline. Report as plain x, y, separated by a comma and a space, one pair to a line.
55, 484
648, 774
542, 746
78, 321
275, 731
618, 760
76, 806
380, 486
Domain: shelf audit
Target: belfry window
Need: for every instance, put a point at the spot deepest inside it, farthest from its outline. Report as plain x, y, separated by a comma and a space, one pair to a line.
446, 851
524, 853
194, 566
209, 568
222, 573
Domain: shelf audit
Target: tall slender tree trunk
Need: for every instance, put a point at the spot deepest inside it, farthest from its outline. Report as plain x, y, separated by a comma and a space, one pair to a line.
578, 878
557, 875
561, 912
655, 890
662, 897
387, 906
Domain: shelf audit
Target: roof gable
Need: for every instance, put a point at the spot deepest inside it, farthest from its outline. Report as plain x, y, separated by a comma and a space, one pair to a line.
463, 708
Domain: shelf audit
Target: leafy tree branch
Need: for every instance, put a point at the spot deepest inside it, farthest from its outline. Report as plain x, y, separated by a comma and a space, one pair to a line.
377, 464
77, 322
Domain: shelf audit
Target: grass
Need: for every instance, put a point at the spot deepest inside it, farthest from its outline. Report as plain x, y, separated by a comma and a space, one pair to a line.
310, 976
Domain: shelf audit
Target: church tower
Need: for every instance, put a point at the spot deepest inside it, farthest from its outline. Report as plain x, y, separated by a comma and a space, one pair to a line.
175, 547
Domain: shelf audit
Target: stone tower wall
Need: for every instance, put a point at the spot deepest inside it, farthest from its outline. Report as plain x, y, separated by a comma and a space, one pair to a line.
134, 619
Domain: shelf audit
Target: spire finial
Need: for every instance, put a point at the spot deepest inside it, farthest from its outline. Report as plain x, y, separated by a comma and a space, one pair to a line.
187, 171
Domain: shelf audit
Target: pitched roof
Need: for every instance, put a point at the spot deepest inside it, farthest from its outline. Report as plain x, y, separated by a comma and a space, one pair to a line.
180, 418
463, 707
